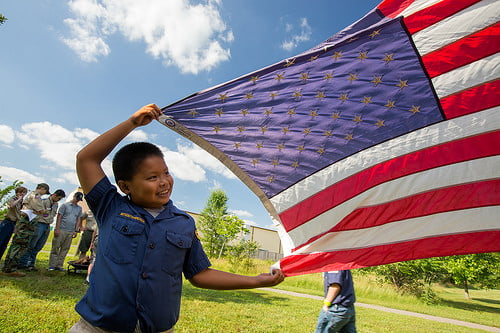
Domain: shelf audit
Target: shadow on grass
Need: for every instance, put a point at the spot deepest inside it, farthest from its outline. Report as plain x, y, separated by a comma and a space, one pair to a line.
48, 285
485, 300
54, 285
471, 306
225, 296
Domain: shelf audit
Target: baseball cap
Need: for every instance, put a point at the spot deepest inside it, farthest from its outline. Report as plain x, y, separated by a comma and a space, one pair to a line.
79, 196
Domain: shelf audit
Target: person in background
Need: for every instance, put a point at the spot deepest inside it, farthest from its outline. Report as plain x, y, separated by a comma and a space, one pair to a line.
14, 206
145, 242
68, 223
337, 314
24, 230
42, 230
93, 250
87, 233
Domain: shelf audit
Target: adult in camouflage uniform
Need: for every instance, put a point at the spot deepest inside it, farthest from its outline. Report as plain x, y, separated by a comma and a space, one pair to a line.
14, 204
24, 230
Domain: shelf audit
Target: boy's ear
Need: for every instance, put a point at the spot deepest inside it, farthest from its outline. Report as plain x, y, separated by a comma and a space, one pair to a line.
123, 186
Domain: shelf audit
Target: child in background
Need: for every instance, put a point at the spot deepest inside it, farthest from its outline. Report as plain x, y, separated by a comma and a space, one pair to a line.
146, 243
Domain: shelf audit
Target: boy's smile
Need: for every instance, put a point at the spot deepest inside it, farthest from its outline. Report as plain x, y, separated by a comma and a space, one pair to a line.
151, 186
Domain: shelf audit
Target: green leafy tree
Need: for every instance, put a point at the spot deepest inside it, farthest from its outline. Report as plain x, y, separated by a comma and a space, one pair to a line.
241, 255
2, 19
412, 277
5, 193
217, 226
482, 270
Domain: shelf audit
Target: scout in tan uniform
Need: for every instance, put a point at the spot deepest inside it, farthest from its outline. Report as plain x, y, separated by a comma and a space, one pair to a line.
24, 231
42, 230
15, 204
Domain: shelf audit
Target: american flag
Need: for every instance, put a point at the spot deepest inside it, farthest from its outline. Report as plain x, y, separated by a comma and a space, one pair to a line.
379, 145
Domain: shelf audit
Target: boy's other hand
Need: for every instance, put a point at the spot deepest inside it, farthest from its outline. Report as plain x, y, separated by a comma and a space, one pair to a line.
145, 115
269, 280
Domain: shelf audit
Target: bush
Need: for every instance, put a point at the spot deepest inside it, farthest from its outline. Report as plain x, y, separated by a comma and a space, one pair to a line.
240, 256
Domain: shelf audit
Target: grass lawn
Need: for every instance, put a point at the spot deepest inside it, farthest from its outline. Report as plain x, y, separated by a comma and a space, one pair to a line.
484, 308
44, 302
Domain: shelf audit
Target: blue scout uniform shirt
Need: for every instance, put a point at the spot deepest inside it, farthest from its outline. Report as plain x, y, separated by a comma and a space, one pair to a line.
138, 270
346, 295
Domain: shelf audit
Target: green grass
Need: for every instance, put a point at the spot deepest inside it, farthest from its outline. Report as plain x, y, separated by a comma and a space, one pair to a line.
484, 307
44, 302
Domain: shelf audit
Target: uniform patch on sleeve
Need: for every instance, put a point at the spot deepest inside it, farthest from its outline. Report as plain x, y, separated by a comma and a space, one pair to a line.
197, 234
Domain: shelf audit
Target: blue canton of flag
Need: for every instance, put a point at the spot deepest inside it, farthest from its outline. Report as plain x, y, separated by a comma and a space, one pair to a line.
289, 120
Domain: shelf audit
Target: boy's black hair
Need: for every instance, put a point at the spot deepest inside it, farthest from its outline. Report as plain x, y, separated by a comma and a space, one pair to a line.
60, 193
21, 189
128, 158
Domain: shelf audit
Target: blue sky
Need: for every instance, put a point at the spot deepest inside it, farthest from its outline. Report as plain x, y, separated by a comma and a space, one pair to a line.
70, 70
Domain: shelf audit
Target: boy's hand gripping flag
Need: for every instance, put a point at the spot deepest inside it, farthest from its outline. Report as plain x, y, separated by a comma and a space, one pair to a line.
379, 145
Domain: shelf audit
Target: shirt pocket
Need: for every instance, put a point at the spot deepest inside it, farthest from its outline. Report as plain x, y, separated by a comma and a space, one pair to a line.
124, 240
177, 246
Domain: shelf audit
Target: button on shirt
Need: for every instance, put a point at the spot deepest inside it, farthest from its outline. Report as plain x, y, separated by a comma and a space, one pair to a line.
139, 265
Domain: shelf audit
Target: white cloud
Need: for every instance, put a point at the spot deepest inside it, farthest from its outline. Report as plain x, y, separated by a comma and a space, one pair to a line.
138, 135
270, 226
85, 134
202, 157
241, 213
11, 174
6, 134
68, 177
183, 167
57, 148
189, 36
303, 36
216, 185
54, 142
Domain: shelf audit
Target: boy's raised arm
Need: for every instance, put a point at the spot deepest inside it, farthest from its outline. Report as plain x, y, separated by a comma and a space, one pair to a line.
88, 160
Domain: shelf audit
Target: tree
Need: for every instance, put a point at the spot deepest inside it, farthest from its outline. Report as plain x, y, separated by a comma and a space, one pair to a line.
482, 269
217, 226
241, 255
2, 19
413, 277
4, 196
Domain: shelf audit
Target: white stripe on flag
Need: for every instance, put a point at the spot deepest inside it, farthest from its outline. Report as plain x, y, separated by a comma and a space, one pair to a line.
473, 74
417, 6
447, 223
449, 175
469, 125
455, 27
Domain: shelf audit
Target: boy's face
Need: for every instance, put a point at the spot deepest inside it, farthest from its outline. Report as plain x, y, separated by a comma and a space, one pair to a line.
152, 184
41, 190
21, 194
56, 198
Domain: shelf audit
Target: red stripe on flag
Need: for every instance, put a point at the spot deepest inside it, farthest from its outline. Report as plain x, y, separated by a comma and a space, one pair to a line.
475, 99
459, 197
430, 15
392, 8
433, 202
447, 153
465, 51
476, 242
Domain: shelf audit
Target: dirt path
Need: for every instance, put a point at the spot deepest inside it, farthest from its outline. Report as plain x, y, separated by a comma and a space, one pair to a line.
401, 312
